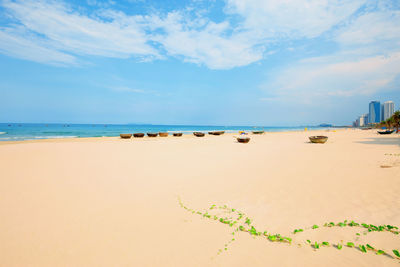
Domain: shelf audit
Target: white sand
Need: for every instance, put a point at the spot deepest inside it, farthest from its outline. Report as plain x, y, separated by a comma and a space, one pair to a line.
113, 202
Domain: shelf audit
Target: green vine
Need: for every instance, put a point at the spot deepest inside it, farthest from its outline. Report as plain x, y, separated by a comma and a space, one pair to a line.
241, 223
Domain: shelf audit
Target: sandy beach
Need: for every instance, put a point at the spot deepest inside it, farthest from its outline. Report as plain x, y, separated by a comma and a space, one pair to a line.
114, 202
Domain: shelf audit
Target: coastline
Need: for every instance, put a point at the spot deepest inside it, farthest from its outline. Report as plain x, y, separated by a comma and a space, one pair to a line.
109, 201
27, 131
185, 135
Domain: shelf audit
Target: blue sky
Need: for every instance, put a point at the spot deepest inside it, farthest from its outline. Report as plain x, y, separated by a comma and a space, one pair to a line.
232, 62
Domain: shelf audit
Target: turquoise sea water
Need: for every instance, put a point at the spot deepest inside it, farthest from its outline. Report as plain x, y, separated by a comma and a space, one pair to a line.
32, 131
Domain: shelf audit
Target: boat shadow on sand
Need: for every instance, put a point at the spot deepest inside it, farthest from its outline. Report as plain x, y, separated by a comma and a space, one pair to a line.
381, 141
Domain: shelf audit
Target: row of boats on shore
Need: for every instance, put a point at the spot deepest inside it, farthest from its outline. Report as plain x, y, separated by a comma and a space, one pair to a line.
177, 134
242, 138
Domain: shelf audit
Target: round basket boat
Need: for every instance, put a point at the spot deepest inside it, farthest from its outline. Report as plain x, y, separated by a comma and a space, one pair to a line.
125, 136
163, 134
199, 134
243, 139
177, 134
216, 132
258, 132
138, 134
152, 134
386, 132
318, 139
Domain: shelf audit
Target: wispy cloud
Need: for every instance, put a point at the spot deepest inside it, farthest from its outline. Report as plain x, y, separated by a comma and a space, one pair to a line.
366, 62
379, 29
127, 89
205, 42
57, 28
292, 18
321, 78
130, 89
18, 42
238, 40
54, 32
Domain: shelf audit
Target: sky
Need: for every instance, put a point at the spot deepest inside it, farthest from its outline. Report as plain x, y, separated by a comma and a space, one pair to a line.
199, 62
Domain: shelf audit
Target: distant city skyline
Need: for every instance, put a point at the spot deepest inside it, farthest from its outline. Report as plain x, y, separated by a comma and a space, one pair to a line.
377, 113
211, 62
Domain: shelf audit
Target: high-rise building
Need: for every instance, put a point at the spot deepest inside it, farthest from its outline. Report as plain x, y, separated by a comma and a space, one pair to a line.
388, 109
374, 112
364, 120
360, 121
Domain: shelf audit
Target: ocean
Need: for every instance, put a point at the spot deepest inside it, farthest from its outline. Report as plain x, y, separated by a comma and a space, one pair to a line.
33, 131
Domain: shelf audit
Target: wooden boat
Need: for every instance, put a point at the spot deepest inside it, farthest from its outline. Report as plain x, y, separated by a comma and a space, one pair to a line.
138, 134
152, 134
386, 132
243, 139
177, 134
199, 134
318, 139
216, 132
163, 134
258, 132
125, 136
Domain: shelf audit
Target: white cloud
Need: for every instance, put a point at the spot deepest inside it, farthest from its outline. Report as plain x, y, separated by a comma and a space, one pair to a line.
367, 62
313, 80
292, 18
378, 28
19, 43
127, 89
186, 33
222, 46
49, 31
56, 26
206, 42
